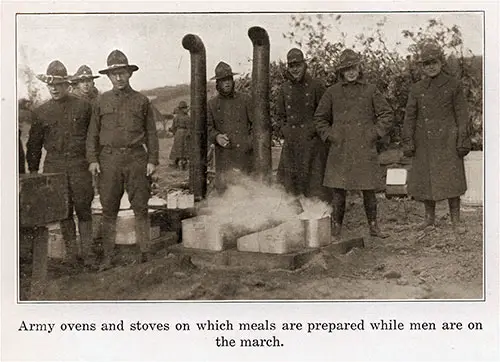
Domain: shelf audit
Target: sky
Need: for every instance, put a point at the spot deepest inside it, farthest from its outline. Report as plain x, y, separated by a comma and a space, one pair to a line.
153, 41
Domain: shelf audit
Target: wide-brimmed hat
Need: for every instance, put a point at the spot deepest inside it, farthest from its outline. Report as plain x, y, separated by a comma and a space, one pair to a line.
223, 70
430, 52
295, 55
117, 60
182, 104
56, 73
348, 58
83, 73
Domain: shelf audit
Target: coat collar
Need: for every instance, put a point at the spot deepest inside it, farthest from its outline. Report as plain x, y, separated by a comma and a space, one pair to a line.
440, 80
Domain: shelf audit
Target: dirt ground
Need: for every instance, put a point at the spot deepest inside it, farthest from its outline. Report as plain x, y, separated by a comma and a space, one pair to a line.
433, 264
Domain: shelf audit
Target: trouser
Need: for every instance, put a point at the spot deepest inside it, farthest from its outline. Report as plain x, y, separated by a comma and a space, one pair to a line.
369, 201
124, 168
80, 194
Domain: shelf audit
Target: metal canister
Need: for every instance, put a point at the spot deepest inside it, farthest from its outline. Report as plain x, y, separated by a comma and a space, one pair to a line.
317, 231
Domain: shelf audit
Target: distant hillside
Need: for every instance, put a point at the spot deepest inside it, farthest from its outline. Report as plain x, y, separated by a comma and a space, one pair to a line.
168, 97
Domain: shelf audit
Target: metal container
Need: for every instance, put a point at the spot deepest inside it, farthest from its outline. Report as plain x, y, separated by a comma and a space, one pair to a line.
317, 232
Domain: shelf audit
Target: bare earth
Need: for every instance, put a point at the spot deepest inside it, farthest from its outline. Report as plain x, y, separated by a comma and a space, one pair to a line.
435, 264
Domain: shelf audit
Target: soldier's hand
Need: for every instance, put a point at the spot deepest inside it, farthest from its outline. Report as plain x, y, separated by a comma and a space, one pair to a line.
222, 140
150, 169
94, 168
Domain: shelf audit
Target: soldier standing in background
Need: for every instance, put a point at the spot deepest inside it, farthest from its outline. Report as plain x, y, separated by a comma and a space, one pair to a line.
303, 158
229, 119
180, 128
83, 84
436, 133
351, 117
60, 126
122, 146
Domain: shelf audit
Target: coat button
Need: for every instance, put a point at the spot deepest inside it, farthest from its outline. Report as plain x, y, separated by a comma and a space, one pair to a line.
293, 126
307, 103
237, 132
289, 107
307, 94
301, 126
237, 145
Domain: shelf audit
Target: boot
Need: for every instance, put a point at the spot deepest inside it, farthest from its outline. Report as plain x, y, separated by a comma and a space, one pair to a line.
86, 241
375, 230
454, 204
108, 242
339, 196
430, 215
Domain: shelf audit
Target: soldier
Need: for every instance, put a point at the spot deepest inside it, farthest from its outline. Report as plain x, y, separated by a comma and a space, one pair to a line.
83, 84
229, 121
351, 117
122, 147
436, 133
180, 128
303, 158
60, 126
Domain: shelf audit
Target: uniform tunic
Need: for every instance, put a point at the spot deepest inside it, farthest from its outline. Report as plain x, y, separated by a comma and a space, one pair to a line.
61, 128
436, 124
351, 117
232, 116
122, 138
303, 157
180, 148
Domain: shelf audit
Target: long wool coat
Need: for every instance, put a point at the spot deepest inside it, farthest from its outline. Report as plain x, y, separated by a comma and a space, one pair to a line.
435, 125
303, 158
180, 128
351, 117
232, 116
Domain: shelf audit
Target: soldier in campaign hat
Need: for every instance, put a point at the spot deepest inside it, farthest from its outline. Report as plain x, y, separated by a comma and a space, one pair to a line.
351, 117
83, 84
303, 157
229, 119
436, 134
122, 147
180, 128
60, 126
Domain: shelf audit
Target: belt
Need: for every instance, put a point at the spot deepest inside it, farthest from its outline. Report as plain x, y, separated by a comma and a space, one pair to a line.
123, 149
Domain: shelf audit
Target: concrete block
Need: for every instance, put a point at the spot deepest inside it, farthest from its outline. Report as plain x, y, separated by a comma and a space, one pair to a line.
284, 238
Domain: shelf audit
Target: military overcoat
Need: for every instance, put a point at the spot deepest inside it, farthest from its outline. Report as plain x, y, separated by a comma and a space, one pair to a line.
231, 115
303, 157
436, 124
351, 117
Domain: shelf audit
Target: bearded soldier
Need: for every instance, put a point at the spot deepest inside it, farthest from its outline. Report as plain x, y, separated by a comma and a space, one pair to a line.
229, 121
303, 157
436, 133
122, 147
60, 126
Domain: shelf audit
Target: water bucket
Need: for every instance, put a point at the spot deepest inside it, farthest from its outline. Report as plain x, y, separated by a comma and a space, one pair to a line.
473, 164
317, 231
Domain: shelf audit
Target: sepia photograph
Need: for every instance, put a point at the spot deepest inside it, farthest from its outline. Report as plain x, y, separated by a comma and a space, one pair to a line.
250, 156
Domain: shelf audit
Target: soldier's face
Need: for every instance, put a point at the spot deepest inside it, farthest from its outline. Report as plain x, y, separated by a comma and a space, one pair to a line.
59, 90
227, 84
120, 78
297, 69
85, 85
432, 68
351, 73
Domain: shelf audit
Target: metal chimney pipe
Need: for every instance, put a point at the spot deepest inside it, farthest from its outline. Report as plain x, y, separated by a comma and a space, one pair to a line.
198, 161
260, 98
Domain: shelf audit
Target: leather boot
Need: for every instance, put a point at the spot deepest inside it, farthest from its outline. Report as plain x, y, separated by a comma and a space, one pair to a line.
430, 215
68, 231
142, 235
454, 204
86, 241
375, 230
339, 196
108, 241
